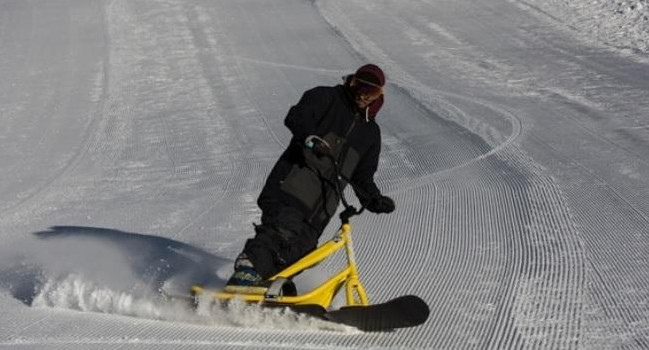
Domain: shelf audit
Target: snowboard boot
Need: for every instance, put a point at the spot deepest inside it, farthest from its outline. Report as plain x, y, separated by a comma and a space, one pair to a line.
245, 279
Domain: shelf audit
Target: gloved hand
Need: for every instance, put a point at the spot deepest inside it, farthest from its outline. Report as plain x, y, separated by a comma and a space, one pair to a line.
382, 204
319, 146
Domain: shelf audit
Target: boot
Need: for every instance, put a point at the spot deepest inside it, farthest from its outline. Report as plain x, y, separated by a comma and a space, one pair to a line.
245, 279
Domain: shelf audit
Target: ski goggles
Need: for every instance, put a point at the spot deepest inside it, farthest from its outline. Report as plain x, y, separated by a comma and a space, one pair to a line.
367, 91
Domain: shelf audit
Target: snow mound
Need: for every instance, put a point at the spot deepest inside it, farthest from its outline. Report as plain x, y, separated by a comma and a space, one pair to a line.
114, 272
74, 292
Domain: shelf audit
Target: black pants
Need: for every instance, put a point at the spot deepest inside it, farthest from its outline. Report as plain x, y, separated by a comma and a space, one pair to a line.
281, 239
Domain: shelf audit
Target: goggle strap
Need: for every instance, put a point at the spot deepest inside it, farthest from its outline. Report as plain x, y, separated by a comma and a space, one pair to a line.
369, 83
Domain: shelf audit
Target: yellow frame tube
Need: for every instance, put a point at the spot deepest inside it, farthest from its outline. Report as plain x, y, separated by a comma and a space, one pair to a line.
323, 294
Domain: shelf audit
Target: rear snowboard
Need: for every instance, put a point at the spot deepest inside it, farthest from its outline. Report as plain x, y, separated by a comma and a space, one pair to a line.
405, 311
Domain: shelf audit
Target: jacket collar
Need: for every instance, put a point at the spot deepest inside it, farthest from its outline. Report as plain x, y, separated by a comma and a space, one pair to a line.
351, 103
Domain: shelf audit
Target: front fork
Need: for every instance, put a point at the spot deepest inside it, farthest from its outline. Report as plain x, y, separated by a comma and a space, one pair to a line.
355, 291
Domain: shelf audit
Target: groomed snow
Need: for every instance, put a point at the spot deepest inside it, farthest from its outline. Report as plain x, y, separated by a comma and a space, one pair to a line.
136, 137
622, 24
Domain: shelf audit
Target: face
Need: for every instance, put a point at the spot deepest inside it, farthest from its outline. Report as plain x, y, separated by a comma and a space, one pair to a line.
364, 100
367, 93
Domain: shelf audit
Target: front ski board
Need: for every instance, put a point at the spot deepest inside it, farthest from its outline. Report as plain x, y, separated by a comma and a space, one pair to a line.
401, 312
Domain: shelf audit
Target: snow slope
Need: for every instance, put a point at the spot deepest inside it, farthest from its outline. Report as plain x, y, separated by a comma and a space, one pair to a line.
136, 136
620, 24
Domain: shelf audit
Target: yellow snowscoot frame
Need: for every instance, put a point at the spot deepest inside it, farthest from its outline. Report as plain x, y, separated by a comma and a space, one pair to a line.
281, 290
323, 294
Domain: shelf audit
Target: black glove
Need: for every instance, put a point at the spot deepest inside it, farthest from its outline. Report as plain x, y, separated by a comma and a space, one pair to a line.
382, 204
319, 146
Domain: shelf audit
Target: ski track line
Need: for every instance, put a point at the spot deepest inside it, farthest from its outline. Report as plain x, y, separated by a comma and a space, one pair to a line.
174, 344
33, 324
248, 92
421, 163
601, 181
620, 310
541, 259
469, 246
324, 71
556, 224
204, 46
597, 136
431, 177
216, 129
95, 119
228, 97
117, 125
225, 131
121, 144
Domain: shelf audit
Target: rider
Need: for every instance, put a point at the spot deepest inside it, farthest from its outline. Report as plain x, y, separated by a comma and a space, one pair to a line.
299, 197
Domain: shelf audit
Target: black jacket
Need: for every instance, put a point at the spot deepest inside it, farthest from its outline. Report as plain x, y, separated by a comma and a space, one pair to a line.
301, 179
